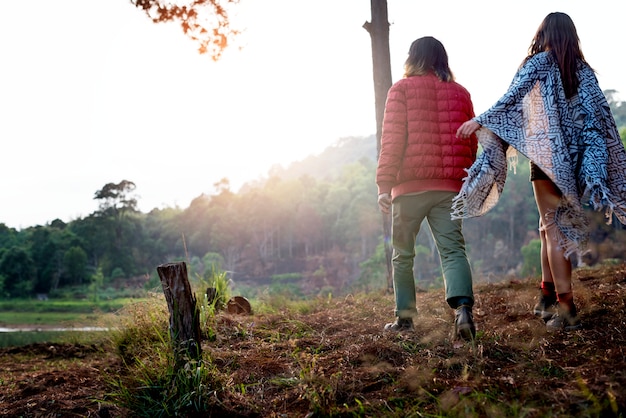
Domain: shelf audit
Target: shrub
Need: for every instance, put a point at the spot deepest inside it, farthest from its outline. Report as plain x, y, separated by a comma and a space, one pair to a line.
532, 258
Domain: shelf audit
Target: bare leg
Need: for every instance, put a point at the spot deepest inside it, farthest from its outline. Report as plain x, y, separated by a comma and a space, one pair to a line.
546, 274
554, 265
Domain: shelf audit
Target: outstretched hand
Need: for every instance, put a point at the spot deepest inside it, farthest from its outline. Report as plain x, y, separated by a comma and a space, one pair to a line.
467, 129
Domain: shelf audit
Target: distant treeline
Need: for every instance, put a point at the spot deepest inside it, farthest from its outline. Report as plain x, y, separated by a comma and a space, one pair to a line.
309, 228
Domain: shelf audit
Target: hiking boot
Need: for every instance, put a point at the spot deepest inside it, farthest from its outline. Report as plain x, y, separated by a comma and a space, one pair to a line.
400, 325
464, 323
563, 320
545, 307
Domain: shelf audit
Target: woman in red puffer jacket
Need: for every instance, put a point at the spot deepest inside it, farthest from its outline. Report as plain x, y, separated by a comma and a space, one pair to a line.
420, 170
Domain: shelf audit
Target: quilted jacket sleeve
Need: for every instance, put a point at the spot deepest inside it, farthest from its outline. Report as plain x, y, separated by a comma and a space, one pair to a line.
394, 139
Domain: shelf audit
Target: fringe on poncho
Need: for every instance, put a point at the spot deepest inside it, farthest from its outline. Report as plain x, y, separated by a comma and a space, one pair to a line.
575, 142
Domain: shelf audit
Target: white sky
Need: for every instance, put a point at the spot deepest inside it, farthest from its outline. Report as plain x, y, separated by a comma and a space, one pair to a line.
92, 92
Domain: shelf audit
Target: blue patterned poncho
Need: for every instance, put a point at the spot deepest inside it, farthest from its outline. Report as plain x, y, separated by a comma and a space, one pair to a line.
575, 142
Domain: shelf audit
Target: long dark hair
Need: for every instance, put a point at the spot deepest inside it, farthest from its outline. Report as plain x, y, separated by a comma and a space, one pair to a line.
427, 55
558, 34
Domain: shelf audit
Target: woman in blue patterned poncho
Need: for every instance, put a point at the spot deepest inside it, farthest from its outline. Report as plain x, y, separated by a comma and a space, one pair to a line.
554, 113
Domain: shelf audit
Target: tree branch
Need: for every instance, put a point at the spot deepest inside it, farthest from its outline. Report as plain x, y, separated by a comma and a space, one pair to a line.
203, 21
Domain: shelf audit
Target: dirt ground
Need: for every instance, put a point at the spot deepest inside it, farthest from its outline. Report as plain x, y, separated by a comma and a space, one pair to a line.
64, 380
293, 363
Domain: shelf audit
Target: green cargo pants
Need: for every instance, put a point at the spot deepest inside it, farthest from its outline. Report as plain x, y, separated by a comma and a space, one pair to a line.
408, 212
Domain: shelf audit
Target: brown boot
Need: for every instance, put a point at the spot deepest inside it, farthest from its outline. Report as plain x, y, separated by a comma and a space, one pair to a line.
464, 327
545, 308
564, 320
400, 325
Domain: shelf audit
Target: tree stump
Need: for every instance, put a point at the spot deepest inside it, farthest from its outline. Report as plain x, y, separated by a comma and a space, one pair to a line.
184, 313
239, 305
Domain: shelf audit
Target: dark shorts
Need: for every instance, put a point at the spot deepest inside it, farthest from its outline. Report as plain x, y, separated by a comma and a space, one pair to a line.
536, 173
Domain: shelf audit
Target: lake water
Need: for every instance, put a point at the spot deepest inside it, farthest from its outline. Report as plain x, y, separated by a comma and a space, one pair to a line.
16, 337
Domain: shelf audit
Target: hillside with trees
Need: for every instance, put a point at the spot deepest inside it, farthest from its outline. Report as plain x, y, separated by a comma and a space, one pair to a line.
308, 241
306, 229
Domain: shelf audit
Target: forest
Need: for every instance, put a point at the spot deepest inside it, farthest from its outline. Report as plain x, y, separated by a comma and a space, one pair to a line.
310, 228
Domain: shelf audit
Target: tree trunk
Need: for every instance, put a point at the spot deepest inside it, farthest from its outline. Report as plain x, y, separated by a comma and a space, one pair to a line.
378, 29
184, 314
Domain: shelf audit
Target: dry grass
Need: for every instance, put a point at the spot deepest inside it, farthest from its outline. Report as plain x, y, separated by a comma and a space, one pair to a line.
334, 360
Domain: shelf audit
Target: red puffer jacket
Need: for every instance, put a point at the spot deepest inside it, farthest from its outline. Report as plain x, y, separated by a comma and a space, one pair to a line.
419, 148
